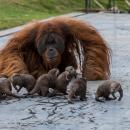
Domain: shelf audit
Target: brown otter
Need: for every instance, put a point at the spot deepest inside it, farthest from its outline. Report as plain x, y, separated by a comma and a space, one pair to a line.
64, 78
77, 87
5, 88
44, 82
23, 80
107, 88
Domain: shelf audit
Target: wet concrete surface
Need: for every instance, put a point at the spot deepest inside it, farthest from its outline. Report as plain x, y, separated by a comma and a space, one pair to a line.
55, 113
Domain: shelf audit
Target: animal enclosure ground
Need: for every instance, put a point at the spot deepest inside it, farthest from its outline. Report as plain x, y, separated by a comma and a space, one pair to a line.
55, 114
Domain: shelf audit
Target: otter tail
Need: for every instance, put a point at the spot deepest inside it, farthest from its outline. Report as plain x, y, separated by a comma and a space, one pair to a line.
121, 93
34, 90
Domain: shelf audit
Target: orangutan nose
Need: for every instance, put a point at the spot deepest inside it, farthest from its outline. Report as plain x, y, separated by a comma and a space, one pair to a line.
51, 49
51, 52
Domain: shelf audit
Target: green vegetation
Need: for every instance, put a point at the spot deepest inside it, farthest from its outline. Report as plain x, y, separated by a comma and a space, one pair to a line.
18, 12
120, 4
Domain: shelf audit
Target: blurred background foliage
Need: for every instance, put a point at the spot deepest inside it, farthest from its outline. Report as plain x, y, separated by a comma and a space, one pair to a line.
18, 12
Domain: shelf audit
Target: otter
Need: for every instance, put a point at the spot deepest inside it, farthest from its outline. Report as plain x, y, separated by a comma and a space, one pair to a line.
23, 80
44, 82
77, 87
107, 88
64, 78
5, 88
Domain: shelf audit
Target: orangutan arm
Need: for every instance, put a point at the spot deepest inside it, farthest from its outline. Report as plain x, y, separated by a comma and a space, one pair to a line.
11, 63
96, 53
13, 55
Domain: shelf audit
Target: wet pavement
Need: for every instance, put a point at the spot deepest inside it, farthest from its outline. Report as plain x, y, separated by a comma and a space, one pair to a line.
56, 114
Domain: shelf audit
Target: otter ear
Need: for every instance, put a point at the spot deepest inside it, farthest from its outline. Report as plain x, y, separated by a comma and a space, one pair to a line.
57, 73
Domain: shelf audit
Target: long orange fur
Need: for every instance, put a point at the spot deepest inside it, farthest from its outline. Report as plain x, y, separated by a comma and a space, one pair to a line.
20, 54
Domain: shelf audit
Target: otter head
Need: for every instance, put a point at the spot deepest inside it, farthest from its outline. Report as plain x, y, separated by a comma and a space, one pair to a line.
116, 87
15, 77
71, 72
16, 80
54, 72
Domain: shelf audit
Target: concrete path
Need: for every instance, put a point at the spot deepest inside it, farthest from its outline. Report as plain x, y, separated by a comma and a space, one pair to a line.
55, 114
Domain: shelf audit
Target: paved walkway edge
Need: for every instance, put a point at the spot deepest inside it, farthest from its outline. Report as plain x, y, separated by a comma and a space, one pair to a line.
10, 31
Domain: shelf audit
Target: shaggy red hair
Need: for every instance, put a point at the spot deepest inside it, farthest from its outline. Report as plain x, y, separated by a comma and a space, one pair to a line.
20, 55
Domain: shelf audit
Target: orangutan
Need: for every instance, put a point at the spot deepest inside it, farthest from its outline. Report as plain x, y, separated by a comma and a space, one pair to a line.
56, 43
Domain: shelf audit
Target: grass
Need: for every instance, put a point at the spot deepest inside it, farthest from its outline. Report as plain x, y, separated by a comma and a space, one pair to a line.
18, 12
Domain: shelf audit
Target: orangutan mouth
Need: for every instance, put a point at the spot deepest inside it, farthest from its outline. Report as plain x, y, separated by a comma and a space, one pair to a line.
52, 62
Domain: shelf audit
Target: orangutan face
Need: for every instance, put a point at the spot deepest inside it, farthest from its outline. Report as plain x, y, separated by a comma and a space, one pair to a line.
51, 48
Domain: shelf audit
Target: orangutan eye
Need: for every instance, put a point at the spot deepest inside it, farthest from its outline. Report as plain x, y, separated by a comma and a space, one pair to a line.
59, 43
52, 40
60, 47
41, 47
